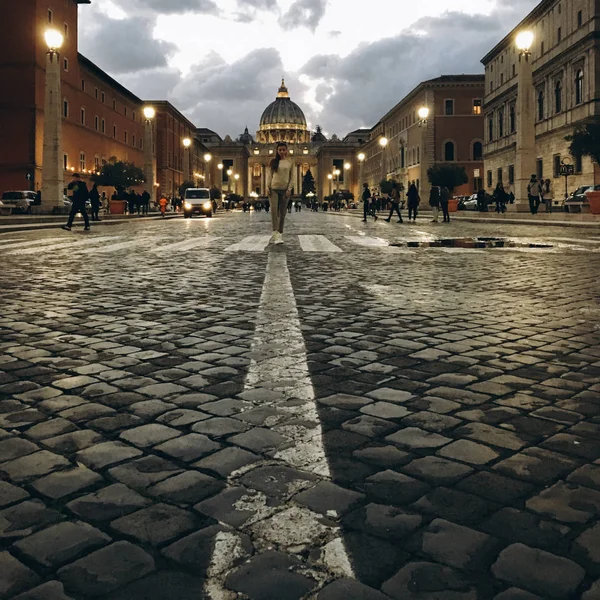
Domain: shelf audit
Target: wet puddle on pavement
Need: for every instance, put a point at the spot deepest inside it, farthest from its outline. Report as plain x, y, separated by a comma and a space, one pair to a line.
471, 242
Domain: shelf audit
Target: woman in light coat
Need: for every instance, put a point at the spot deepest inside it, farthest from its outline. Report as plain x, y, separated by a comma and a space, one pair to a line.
279, 188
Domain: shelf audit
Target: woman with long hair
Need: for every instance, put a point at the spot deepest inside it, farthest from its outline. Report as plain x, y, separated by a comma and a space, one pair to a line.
279, 188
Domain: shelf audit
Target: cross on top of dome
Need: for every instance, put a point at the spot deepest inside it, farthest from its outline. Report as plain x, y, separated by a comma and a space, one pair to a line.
283, 91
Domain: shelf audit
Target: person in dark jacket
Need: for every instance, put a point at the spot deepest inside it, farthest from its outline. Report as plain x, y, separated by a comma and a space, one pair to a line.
395, 200
500, 197
444, 200
79, 196
481, 201
413, 199
95, 202
368, 208
434, 202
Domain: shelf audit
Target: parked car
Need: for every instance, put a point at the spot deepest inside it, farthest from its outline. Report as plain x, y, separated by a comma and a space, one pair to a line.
197, 202
578, 198
18, 200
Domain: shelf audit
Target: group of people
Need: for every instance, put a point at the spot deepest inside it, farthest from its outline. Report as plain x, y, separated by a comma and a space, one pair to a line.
134, 202
538, 192
372, 203
80, 195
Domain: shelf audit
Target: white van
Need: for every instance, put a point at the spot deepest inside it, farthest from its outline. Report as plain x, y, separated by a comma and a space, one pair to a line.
196, 201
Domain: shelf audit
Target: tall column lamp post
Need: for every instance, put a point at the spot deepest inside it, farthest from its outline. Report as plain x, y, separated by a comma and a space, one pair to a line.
52, 160
207, 159
423, 114
151, 187
186, 159
383, 142
361, 167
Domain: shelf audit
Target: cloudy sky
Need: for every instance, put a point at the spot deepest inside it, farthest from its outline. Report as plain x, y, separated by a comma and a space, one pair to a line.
346, 62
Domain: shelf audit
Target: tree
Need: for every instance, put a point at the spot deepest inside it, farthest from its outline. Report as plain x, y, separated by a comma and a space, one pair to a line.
386, 186
186, 185
308, 184
585, 140
119, 174
215, 193
451, 176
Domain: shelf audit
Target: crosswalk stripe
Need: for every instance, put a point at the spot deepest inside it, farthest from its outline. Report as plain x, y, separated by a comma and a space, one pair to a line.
186, 244
379, 243
317, 243
32, 243
252, 243
64, 245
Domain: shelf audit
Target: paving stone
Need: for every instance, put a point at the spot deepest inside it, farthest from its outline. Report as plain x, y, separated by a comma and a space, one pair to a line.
462, 396
34, 465
149, 435
587, 545
394, 488
64, 483
370, 426
189, 447
48, 429
71, 383
490, 414
61, 543
329, 499
495, 487
227, 461
23, 519
437, 471
69, 443
586, 475
219, 427
116, 423
559, 415
236, 506
491, 435
452, 505
343, 589
414, 438
162, 390
385, 410
515, 525
428, 580
61, 403
150, 409
108, 503
432, 421
593, 593
108, 453
182, 417
383, 456
86, 412
186, 488
388, 522
9, 494
14, 576
277, 481
469, 452
391, 395
345, 401
164, 585
574, 445
144, 472
538, 571
259, 440
15, 447
458, 546
271, 576
52, 590
516, 594
156, 525
536, 465
452, 379
106, 570
433, 404
566, 502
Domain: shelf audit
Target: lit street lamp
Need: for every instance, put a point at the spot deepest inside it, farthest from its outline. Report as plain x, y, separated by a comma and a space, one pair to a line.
525, 142
423, 113
52, 159
149, 114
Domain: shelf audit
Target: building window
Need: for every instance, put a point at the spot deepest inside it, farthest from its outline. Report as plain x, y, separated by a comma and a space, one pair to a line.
477, 183
558, 97
125, 110
402, 157
418, 154
477, 151
491, 128
133, 115
96, 122
141, 143
514, 70
556, 165
125, 137
449, 151
103, 126
96, 93
559, 35
65, 109
489, 179
50, 16
477, 106
500, 123
540, 103
66, 30
133, 139
578, 163
511, 174
579, 19
539, 168
256, 171
449, 107
114, 105
115, 132
82, 161
66, 64
499, 174
65, 162
83, 85
579, 86
542, 49
513, 118
83, 116
491, 87
501, 78
102, 97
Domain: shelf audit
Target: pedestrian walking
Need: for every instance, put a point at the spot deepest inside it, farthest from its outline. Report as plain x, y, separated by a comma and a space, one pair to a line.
95, 202
79, 197
500, 197
279, 182
481, 200
368, 205
105, 202
434, 202
444, 201
413, 199
547, 195
145, 202
395, 202
534, 191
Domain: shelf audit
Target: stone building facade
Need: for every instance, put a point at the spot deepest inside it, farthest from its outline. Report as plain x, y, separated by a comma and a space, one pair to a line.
452, 133
566, 78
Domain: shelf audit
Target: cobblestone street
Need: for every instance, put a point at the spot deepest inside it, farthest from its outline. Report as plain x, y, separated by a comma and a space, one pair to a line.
359, 414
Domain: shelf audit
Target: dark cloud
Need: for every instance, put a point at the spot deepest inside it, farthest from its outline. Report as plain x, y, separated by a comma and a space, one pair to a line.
168, 7
304, 13
124, 45
360, 88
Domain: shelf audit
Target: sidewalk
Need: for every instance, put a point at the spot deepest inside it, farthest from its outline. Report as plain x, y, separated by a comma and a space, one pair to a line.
34, 222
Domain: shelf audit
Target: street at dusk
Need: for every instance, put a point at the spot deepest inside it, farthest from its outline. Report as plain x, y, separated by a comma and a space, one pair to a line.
189, 412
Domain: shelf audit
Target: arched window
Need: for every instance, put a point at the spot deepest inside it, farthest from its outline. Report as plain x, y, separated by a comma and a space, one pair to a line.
579, 86
477, 151
256, 171
558, 97
449, 151
540, 102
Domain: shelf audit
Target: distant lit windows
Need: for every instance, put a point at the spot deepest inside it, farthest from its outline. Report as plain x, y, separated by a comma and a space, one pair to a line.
579, 86
477, 106
82, 161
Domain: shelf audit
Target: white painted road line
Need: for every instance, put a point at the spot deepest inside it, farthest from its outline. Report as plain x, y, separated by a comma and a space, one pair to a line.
378, 243
202, 242
317, 243
33, 243
46, 249
252, 243
279, 364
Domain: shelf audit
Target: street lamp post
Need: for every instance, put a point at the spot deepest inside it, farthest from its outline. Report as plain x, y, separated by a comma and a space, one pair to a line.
52, 160
525, 143
383, 142
330, 177
236, 178
229, 174
220, 167
186, 159
149, 114
361, 162
207, 159
423, 114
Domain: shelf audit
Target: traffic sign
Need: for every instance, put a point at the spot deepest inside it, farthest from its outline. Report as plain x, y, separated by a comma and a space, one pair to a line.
566, 170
